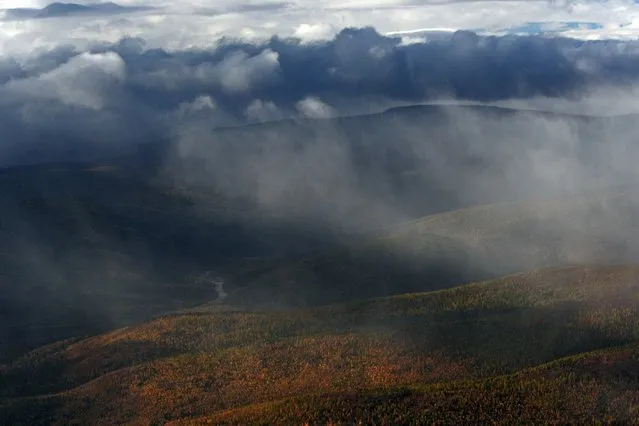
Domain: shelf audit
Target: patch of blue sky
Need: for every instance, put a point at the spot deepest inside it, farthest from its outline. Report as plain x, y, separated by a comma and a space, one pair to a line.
552, 27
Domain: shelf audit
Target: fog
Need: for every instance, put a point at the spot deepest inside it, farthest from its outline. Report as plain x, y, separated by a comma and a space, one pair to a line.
214, 162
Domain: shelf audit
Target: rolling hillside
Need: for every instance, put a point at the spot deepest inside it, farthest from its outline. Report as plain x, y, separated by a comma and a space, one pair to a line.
452, 248
596, 387
390, 350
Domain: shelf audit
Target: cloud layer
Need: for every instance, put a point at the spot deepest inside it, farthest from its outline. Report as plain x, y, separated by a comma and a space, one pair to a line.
93, 92
199, 23
62, 95
70, 104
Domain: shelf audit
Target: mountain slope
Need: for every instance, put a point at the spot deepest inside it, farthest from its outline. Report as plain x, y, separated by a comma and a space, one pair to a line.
58, 10
596, 387
196, 364
442, 250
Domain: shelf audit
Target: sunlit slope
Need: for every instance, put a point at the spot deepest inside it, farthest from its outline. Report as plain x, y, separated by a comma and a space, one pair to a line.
191, 365
596, 387
465, 245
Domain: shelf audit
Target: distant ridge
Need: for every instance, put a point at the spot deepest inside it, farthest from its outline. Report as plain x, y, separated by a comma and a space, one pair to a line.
59, 9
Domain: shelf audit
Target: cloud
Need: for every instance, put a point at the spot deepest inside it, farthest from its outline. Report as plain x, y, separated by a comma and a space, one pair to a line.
201, 104
318, 31
85, 81
199, 24
314, 108
238, 72
364, 61
120, 85
261, 111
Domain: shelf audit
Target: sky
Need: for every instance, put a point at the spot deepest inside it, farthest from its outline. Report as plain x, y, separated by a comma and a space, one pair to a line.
199, 23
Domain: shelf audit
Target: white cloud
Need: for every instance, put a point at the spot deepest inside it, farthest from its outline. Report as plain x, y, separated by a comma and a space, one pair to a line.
239, 72
83, 81
260, 111
202, 104
318, 31
200, 23
313, 107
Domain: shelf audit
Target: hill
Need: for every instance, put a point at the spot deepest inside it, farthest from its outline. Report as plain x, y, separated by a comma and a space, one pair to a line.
451, 248
58, 10
596, 387
203, 363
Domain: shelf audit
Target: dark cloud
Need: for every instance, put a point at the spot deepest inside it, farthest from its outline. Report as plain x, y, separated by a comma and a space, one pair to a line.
282, 78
